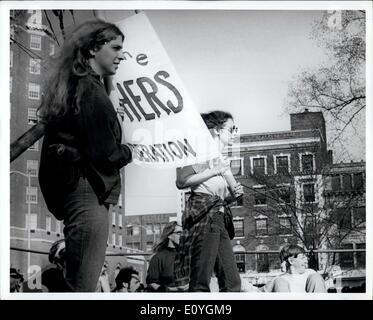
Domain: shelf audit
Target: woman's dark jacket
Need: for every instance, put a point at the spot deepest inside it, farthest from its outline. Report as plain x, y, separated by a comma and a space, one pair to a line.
84, 142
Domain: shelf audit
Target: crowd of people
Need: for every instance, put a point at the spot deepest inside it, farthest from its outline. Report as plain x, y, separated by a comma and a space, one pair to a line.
296, 276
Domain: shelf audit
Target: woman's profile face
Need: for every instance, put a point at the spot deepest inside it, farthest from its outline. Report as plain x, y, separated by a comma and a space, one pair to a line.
226, 134
108, 57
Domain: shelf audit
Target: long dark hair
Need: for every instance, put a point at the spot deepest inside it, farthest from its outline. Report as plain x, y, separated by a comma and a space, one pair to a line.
216, 119
163, 240
71, 64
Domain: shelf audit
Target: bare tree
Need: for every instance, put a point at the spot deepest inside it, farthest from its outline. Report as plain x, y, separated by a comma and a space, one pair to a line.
338, 87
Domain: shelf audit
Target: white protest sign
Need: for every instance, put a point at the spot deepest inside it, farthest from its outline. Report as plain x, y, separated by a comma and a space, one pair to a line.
160, 121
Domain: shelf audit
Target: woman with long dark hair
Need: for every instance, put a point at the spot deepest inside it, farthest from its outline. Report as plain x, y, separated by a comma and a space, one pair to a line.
82, 152
160, 275
205, 245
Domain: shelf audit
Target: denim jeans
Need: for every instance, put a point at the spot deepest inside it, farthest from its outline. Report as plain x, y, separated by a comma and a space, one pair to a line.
212, 251
86, 233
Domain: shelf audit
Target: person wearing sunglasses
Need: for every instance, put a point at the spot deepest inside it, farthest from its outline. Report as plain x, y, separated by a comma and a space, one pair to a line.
160, 274
205, 245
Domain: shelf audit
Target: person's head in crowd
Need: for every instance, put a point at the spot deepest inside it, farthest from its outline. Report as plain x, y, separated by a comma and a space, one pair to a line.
345, 289
57, 254
127, 280
15, 280
294, 259
170, 236
221, 126
93, 47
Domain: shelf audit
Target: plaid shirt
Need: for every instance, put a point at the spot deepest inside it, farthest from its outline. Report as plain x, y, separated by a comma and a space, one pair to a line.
201, 208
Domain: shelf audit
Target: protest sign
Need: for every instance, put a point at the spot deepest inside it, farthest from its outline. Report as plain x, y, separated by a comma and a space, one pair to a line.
160, 120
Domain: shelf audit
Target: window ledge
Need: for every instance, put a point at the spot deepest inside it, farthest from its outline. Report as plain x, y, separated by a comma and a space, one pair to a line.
266, 236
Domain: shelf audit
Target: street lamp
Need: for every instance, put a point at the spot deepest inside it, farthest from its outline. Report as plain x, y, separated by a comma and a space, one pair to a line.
146, 229
28, 176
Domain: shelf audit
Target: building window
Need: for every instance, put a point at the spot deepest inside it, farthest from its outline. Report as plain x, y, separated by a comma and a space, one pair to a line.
136, 230
259, 166
238, 227
282, 164
336, 182
261, 226
358, 181
236, 166
35, 66
343, 218
58, 227
32, 117
52, 49
35, 42
11, 58
309, 192
32, 195
346, 182
34, 147
34, 91
262, 262
129, 230
149, 246
307, 163
120, 220
360, 256
48, 224
113, 216
114, 239
346, 259
157, 228
32, 167
285, 225
283, 193
120, 241
149, 229
260, 196
33, 221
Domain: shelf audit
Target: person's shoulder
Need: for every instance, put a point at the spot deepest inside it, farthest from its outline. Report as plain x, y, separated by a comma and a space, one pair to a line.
281, 283
89, 83
310, 272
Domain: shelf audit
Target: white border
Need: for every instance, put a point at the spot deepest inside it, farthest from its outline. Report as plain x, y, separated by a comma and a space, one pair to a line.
142, 5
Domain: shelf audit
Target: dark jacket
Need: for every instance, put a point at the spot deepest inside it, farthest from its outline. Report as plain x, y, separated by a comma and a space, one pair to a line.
84, 142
